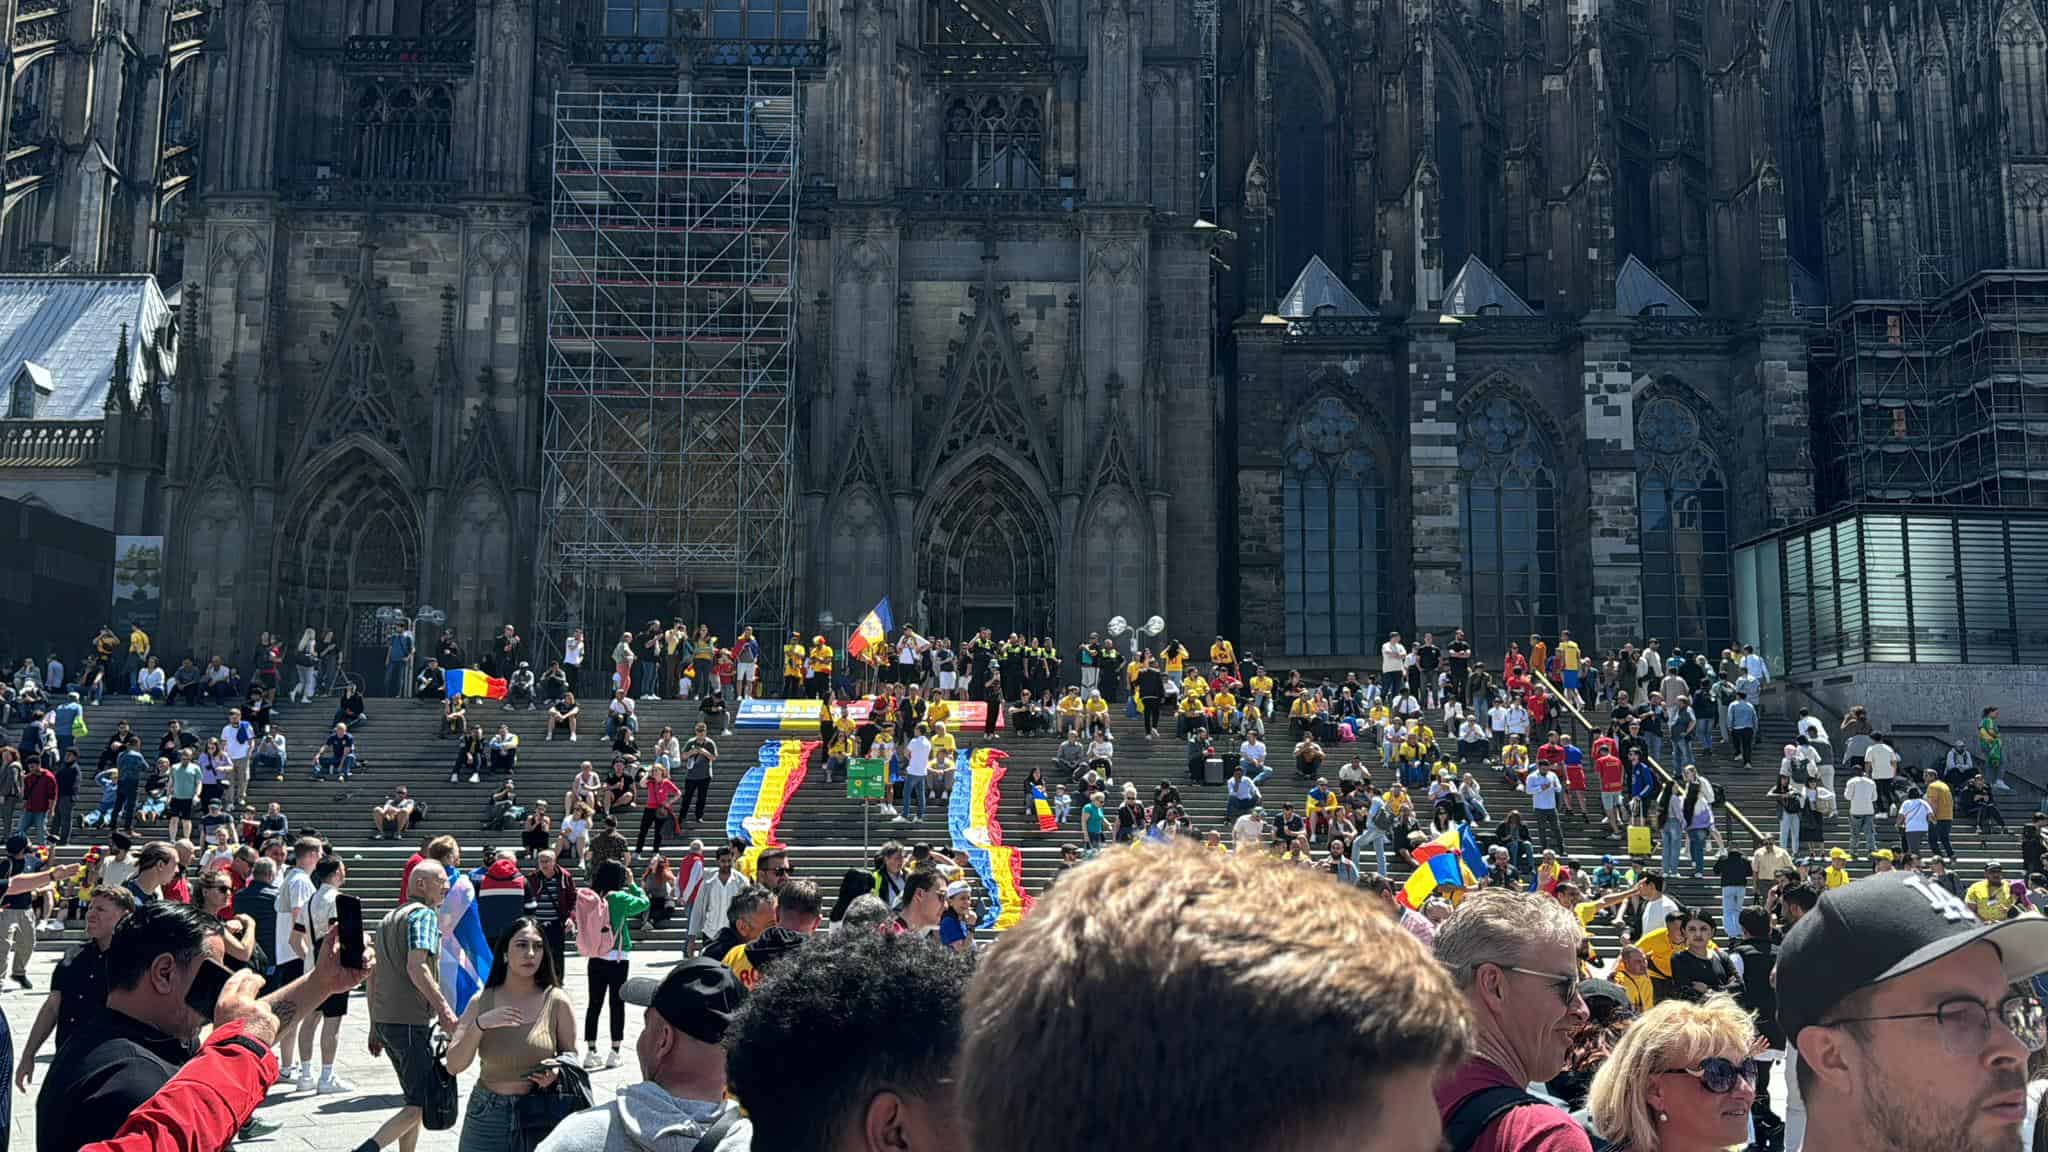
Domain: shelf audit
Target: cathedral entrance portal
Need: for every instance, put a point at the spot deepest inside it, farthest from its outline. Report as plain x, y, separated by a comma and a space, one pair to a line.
351, 546
987, 555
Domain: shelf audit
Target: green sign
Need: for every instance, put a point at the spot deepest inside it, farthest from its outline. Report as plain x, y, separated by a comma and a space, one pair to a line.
866, 779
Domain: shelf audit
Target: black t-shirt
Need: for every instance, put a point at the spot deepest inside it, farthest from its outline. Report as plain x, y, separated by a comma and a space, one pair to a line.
67, 777
1460, 654
82, 977
1687, 969
10, 867
1427, 657
1734, 872
110, 1068
259, 903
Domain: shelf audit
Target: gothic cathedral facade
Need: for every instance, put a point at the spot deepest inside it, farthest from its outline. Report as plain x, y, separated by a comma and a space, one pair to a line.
1301, 320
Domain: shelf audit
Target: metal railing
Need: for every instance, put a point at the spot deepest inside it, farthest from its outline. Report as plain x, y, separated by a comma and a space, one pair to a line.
1756, 835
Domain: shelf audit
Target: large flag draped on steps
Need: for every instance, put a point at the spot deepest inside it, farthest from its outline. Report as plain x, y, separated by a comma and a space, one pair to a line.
474, 684
465, 954
971, 818
763, 793
873, 631
1042, 809
1439, 862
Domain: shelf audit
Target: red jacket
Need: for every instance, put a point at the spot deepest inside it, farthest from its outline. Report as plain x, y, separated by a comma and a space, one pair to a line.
206, 1103
39, 794
660, 791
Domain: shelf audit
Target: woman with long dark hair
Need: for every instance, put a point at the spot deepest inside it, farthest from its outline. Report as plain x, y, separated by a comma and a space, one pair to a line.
516, 1025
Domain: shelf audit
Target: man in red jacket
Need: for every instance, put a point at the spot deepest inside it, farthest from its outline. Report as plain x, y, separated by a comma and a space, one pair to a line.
500, 893
38, 797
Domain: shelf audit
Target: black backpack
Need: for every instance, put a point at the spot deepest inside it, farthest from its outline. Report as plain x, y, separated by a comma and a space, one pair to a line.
1477, 1112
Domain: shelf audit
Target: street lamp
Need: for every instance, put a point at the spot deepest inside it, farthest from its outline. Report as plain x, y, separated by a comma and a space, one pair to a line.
1153, 626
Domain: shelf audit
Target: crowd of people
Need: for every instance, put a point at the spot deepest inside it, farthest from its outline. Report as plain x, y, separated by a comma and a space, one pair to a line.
788, 991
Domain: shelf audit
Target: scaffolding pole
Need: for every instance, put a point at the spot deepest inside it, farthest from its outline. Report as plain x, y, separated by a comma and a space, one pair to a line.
667, 439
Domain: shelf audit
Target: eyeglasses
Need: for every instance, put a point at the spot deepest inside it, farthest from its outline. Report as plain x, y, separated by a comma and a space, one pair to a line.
784, 871
1965, 1025
1566, 987
1720, 1075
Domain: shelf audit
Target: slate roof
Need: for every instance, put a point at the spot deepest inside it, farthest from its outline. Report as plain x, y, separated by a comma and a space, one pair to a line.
63, 329
1637, 291
1478, 289
1318, 288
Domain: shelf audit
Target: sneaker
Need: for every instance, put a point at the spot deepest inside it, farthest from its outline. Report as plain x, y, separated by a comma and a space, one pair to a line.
592, 1061
333, 1083
2002, 786
472, 777
613, 1060
572, 737
286, 1073
258, 1129
886, 810
23, 980
454, 779
305, 1080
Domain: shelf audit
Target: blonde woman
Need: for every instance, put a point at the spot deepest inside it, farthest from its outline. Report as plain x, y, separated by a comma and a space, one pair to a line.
1681, 1079
306, 660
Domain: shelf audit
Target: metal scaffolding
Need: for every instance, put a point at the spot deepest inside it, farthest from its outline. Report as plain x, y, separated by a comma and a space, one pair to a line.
1931, 400
667, 439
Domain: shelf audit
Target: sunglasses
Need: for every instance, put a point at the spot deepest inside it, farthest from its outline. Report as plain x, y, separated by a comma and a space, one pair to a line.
1720, 1075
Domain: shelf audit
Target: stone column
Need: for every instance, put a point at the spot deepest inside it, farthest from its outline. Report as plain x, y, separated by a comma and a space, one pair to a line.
1435, 510
1787, 439
1607, 383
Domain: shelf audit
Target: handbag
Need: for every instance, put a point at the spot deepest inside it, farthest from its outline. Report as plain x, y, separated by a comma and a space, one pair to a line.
440, 1103
543, 1108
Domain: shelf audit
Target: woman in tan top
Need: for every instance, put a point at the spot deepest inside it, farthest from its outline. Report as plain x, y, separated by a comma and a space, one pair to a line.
520, 1021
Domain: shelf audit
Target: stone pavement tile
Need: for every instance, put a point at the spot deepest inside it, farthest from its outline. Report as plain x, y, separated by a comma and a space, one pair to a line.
334, 1122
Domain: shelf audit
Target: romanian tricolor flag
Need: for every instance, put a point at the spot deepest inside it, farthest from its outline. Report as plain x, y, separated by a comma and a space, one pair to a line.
971, 817
474, 684
1437, 863
873, 631
763, 793
1042, 808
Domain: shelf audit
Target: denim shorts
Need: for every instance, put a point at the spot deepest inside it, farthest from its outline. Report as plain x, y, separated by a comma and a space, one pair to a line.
490, 1123
411, 1050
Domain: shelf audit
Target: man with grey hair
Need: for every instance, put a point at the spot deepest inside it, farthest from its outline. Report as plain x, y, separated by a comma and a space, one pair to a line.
1515, 957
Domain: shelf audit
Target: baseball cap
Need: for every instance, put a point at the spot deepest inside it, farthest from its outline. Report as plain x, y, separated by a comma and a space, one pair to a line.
1883, 927
698, 997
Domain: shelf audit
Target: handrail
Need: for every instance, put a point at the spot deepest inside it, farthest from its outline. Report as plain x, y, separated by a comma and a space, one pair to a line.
1565, 703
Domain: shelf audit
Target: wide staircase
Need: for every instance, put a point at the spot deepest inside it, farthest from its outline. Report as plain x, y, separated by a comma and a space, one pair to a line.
827, 832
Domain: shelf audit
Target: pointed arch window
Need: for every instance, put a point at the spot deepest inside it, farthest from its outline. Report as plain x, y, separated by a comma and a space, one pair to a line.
403, 133
1509, 526
1334, 512
994, 141
1682, 522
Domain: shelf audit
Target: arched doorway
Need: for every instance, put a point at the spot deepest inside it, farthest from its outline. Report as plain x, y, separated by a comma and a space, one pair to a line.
351, 545
987, 555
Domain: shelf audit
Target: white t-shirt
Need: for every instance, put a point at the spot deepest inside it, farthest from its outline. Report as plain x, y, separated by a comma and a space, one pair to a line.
1914, 814
1392, 655
920, 752
236, 738
1655, 912
292, 897
1248, 831
1814, 731
1882, 760
1861, 792
1498, 717
1542, 789
577, 832
320, 911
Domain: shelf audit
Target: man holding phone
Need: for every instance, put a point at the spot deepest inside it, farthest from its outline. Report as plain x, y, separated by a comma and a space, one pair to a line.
164, 967
324, 915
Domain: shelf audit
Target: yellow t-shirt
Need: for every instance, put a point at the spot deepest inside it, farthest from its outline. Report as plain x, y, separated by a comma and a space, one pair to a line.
1195, 685
1132, 671
821, 659
1941, 800
1641, 992
1097, 706
1070, 704
138, 642
938, 712
1176, 659
1837, 876
1302, 708
1262, 685
944, 748
1568, 655
1225, 702
1190, 705
1220, 653
793, 659
1989, 901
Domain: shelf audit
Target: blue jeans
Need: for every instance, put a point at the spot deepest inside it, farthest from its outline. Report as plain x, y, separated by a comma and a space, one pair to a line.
490, 1123
1731, 912
913, 795
1696, 839
1673, 835
34, 825
326, 768
1863, 830
394, 678
1788, 832
1681, 752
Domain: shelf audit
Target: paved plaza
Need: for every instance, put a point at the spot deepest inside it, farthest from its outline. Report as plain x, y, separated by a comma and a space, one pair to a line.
334, 1121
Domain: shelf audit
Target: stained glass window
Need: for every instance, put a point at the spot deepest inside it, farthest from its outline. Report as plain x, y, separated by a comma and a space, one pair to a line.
1682, 521
1335, 535
1509, 527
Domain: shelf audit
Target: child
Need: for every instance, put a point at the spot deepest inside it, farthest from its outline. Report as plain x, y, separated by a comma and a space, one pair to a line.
1062, 805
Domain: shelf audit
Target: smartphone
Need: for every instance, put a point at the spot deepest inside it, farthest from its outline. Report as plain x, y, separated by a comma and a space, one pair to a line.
348, 920
205, 990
